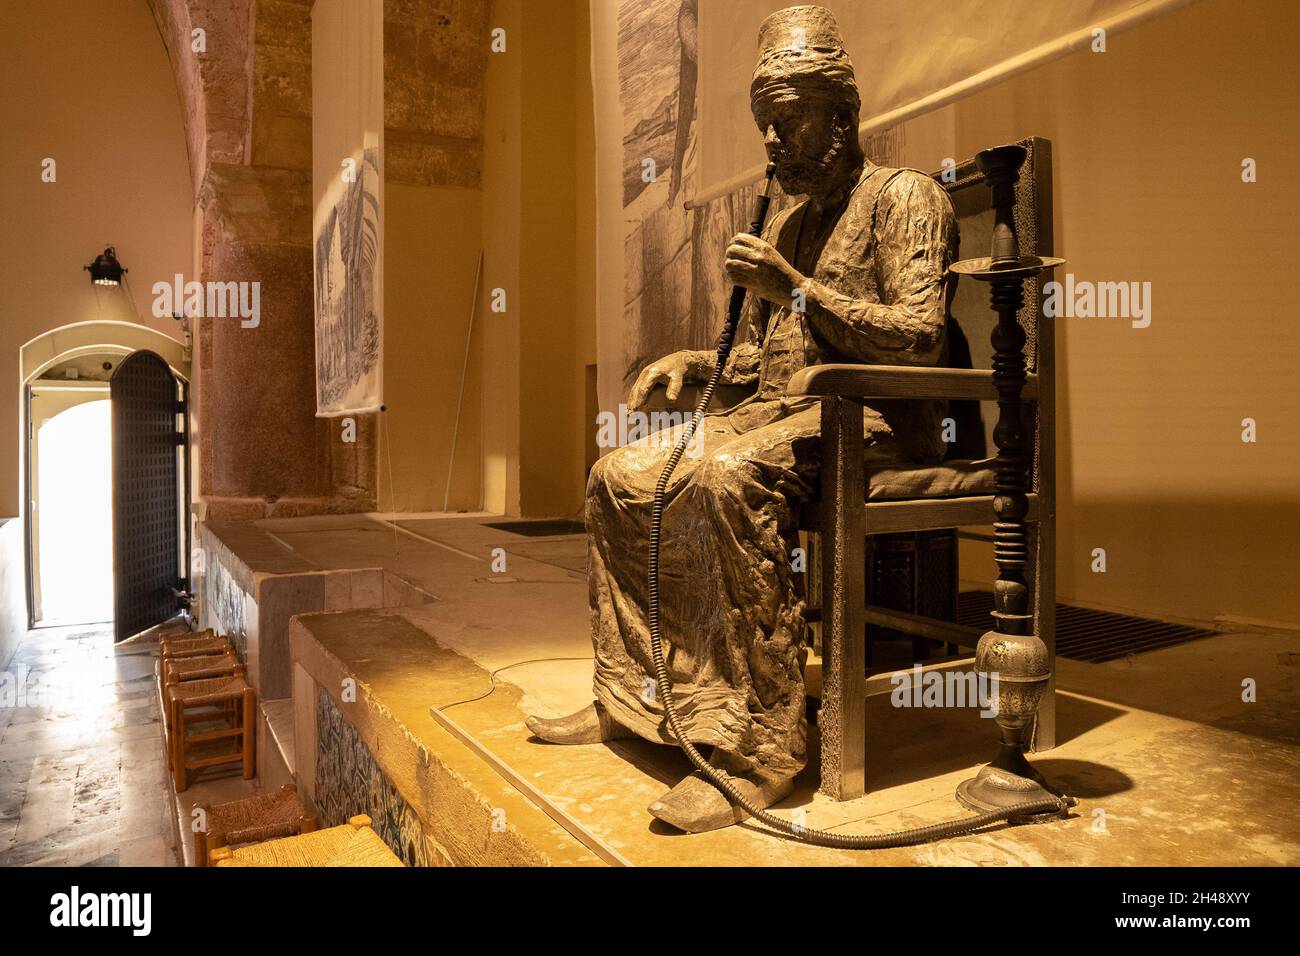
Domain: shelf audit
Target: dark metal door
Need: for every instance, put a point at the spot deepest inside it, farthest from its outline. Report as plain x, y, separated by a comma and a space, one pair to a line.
147, 546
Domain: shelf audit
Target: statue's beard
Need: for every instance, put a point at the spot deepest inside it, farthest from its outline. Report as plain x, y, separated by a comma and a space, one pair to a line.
802, 175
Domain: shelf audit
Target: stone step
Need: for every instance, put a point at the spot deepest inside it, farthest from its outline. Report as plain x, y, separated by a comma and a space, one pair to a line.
275, 751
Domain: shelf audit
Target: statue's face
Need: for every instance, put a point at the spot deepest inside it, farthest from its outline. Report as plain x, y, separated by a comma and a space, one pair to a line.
803, 136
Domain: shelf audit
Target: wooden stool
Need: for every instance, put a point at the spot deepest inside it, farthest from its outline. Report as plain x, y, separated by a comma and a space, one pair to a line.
224, 701
177, 670
195, 647
164, 639
255, 819
353, 844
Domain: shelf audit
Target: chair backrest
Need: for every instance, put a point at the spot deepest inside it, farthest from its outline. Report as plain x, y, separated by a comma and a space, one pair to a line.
971, 319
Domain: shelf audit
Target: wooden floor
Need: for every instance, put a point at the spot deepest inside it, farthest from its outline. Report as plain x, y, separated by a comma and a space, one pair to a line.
83, 778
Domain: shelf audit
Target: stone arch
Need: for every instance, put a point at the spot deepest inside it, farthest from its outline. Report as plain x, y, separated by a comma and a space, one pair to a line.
101, 337
96, 338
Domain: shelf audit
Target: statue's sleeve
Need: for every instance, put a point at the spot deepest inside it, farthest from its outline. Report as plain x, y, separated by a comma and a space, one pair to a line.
747, 354
915, 235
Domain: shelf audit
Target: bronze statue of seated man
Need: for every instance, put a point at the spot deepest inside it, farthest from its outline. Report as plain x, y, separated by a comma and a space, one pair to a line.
854, 273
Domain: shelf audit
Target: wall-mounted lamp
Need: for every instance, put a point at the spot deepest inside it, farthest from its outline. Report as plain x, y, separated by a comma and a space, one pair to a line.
106, 270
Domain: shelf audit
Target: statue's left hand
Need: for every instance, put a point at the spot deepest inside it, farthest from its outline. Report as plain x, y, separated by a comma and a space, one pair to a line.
755, 264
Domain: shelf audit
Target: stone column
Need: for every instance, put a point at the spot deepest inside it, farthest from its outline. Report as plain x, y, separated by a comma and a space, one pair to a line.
246, 100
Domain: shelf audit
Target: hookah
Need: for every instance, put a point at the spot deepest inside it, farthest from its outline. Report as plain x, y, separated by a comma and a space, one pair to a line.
1008, 788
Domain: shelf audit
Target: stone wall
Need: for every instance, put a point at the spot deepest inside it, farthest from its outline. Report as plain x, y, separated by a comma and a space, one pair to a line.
435, 63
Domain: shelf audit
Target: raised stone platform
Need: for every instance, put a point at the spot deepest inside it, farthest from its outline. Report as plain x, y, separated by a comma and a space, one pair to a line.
254, 582
1169, 764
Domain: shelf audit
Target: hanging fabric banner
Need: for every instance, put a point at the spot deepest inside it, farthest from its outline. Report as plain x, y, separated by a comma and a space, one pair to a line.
347, 223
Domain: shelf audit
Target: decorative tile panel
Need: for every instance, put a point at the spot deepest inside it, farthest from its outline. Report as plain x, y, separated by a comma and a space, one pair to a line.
349, 782
224, 604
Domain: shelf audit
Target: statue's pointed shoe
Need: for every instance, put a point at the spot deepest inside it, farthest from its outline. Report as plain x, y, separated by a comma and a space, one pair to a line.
591, 725
696, 806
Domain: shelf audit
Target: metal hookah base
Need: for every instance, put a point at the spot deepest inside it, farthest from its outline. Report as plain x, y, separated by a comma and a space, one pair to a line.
1007, 781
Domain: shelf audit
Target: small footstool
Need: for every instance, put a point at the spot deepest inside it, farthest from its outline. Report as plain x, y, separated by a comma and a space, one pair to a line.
353, 844
195, 647
206, 712
255, 819
178, 669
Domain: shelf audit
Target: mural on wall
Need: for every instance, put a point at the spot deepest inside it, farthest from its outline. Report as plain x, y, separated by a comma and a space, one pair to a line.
349, 363
663, 309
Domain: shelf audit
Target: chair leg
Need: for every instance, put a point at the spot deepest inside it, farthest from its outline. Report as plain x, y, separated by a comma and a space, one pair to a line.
249, 732
843, 713
169, 732
215, 846
178, 747
200, 848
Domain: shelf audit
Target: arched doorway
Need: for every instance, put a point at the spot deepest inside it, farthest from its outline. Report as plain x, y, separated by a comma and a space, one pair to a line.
71, 504
70, 451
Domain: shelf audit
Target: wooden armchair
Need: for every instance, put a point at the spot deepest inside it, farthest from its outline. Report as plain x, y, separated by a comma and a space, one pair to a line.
854, 504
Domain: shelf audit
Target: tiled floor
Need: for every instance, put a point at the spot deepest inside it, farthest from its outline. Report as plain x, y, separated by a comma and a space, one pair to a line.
83, 775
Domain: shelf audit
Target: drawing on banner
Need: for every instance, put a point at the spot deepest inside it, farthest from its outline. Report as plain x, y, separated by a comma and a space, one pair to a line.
348, 343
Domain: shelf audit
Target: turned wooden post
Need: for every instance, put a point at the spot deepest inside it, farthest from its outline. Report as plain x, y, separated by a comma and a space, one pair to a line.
1011, 652
178, 746
249, 734
1012, 613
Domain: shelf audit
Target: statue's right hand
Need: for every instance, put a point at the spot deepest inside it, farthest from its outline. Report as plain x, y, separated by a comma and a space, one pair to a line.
671, 370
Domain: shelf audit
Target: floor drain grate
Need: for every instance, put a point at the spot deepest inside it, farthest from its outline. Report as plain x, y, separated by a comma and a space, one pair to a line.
545, 528
1091, 636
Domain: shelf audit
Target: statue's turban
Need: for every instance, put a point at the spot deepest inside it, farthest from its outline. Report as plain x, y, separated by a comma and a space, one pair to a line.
800, 50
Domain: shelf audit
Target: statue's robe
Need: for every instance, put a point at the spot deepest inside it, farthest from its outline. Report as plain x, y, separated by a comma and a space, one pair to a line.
733, 606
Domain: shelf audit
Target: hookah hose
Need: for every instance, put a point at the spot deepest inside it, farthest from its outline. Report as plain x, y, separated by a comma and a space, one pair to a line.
715, 776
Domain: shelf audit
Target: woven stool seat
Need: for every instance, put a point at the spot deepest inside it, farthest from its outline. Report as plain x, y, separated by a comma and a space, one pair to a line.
263, 816
165, 639
353, 844
195, 647
211, 690
257, 818
197, 668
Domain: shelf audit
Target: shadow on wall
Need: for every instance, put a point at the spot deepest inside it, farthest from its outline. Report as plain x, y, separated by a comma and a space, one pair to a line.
1211, 560
1200, 559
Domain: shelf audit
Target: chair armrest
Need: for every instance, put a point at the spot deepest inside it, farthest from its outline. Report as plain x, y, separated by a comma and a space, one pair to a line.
900, 381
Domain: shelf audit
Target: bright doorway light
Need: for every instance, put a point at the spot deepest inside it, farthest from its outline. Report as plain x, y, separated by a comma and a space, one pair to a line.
75, 507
